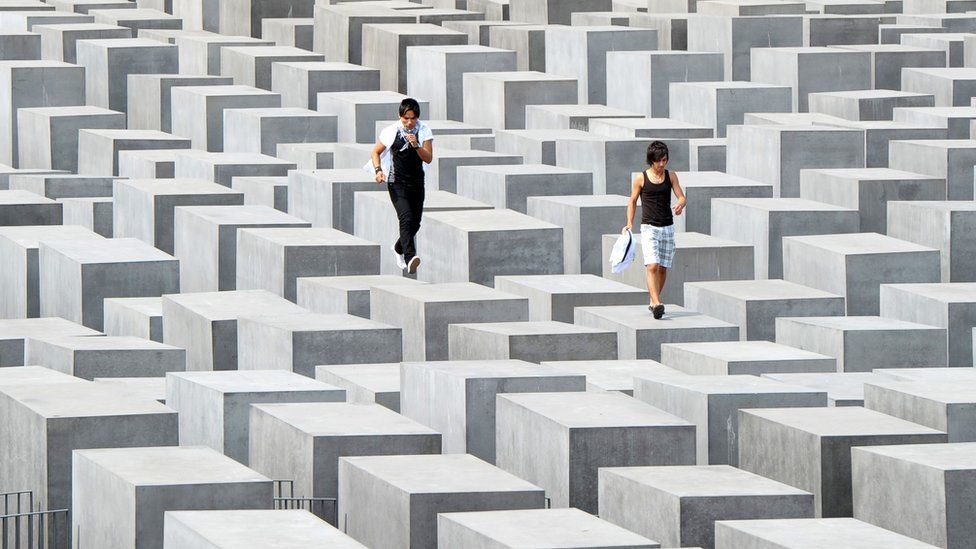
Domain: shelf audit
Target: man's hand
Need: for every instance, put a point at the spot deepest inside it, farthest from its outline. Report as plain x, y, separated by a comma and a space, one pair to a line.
678, 208
380, 176
628, 227
412, 140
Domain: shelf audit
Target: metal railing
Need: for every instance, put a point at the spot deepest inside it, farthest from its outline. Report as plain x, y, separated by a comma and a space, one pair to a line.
326, 509
24, 527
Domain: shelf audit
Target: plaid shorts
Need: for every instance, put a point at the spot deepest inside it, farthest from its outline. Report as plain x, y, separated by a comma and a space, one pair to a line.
657, 243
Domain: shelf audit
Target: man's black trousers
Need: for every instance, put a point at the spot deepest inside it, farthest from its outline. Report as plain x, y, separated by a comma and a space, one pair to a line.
408, 200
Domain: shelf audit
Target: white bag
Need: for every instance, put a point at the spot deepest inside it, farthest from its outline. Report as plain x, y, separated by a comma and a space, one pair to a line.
623, 251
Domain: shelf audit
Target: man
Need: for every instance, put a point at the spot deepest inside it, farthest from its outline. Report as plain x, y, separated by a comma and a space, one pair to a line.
400, 158
654, 187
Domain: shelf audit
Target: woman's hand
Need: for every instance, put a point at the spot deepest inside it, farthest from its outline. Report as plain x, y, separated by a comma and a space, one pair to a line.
380, 176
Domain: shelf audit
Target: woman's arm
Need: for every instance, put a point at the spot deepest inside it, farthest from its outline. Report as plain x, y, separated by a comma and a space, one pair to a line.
377, 151
635, 190
678, 192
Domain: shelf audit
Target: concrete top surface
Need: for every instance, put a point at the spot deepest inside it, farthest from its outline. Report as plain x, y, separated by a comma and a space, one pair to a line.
29, 236
733, 85
584, 201
594, 409
324, 66
942, 144
785, 204
861, 243
88, 199
253, 381
137, 13
228, 90
791, 50
70, 400
820, 533
467, 48
450, 292
107, 250
955, 73
105, 343
838, 385
859, 323
731, 385
378, 378
569, 284
247, 529
718, 179
241, 215
170, 465
958, 456
414, 29
491, 221
943, 392
122, 43
344, 419
272, 51
340, 175
75, 110
17, 197
872, 94
362, 97
647, 122
550, 528
944, 205
518, 76
613, 375
639, 318
444, 153
21, 375
552, 134
574, 111
759, 290
307, 236
532, 328
939, 36
948, 292
927, 374
774, 122
150, 388
487, 369
221, 38
156, 155
521, 169
868, 174
79, 27
234, 304
151, 306
181, 186
20, 328
358, 282
141, 135
38, 63
843, 421
885, 48
704, 481
691, 239
434, 201
745, 351
948, 112
446, 473
231, 158
317, 322
279, 112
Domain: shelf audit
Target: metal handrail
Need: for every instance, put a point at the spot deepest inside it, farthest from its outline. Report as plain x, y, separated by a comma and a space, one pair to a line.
35, 530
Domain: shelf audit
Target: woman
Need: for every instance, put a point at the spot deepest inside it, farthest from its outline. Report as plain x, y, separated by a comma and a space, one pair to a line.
400, 159
654, 187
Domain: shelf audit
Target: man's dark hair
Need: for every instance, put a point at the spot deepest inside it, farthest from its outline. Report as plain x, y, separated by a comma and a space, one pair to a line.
656, 151
410, 104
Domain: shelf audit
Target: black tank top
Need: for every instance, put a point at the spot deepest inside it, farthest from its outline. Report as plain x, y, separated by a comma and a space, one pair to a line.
408, 167
656, 202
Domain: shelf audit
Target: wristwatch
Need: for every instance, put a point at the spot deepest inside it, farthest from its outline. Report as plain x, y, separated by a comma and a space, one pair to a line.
377, 169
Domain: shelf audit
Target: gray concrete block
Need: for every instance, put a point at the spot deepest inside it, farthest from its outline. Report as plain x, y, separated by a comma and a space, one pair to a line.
106, 481
626, 432
533, 341
552, 527
145, 208
94, 214
206, 237
744, 358
52, 134
109, 61
950, 159
359, 111
222, 168
138, 19
945, 226
949, 306
75, 275
811, 69
570, 117
810, 448
842, 388
476, 246
147, 388
718, 104
309, 156
701, 187
27, 208
201, 114
510, 186
19, 281
457, 398
327, 198
260, 130
680, 505
867, 104
380, 41
300, 82
343, 294
555, 297
611, 159
660, 69
393, 501
612, 375
943, 405
584, 220
438, 74
754, 305
59, 41
149, 97
299, 342
214, 407
84, 6
498, 99
789, 534
59, 186
855, 265
734, 36
528, 41
712, 403
639, 335
552, 12
442, 172
148, 164
250, 529
98, 150
140, 317
424, 312
290, 30
200, 54
763, 222
952, 87
365, 383
338, 29
868, 190
91, 357
955, 119
251, 65
14, 334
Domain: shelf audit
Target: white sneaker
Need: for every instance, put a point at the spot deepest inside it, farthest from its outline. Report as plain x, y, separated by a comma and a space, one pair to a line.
399, 258
414, 263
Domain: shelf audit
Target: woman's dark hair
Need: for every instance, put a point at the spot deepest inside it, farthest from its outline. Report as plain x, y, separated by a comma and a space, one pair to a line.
410, 104
656, 151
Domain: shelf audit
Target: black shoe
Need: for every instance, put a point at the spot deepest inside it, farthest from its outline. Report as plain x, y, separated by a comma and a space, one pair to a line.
658, 311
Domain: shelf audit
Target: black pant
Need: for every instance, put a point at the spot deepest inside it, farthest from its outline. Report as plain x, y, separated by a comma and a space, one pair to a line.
408, 200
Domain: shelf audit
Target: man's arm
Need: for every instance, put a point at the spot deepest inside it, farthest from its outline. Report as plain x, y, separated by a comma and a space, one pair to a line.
377, 151
426, 151
635, 190
678, 192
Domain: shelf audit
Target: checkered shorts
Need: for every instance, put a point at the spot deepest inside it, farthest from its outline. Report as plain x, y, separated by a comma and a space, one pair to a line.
657, 243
